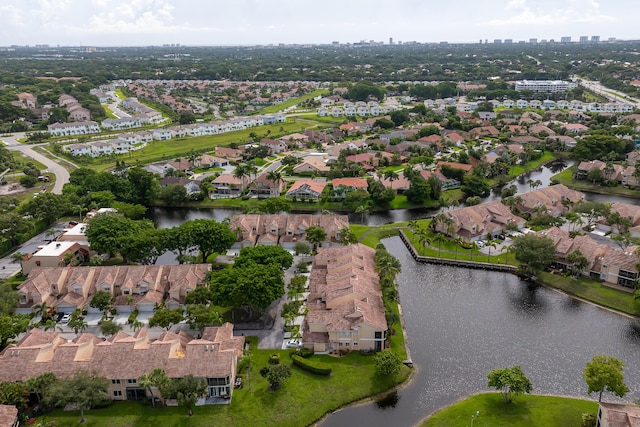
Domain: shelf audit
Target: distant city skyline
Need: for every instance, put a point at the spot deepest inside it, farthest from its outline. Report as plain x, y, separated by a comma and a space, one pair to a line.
260, 22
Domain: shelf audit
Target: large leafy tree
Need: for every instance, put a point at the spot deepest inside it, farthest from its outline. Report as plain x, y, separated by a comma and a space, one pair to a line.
315, 235
113, 233
12, 325
82, 390
604, 373
265, 255
511, 382
16, 394
47, 207
534, 252
102, 300
8, 298
39, 385
209, 236
145, 187
251, 287
166, 318
200, 316
186, 390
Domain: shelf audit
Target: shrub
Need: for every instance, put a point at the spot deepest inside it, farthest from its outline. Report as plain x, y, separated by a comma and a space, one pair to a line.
310, 365
133, 316
387, 362
302, 352
274, 359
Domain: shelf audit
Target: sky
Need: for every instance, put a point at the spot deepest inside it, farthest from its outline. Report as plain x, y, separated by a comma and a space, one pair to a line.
254, 22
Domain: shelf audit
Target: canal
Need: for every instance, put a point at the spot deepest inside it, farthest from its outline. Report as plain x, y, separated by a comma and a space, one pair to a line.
463, 323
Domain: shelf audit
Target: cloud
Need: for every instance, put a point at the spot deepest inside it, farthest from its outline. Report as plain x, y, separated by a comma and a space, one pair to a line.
528, 12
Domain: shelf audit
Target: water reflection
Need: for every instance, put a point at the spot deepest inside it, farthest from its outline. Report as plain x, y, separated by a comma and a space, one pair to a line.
525, 300
463, 323
388, 401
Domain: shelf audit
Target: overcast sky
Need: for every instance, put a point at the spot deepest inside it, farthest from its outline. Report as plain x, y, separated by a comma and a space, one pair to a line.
251, 22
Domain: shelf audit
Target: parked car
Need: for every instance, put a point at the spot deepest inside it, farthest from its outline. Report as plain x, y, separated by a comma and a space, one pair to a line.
238, 383
480, 243
294, 343
65, 319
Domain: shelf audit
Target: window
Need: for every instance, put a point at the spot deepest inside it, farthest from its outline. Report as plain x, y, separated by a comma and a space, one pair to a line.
115, 381
132, 381
117, 393
38, 263
107, 288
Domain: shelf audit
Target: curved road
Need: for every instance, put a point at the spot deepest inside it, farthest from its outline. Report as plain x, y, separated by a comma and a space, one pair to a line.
62, 175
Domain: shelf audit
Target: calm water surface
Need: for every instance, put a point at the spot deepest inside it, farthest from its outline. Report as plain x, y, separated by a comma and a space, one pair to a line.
462, 323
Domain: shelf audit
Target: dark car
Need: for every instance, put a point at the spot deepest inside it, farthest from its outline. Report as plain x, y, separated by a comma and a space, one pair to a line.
238, 382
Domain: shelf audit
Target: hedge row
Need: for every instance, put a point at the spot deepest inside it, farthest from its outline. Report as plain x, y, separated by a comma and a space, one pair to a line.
311, 365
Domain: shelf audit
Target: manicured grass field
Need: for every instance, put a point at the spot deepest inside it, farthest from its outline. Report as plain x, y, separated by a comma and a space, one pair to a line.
594, 291
565, 177
173, 148
291, 102
518, 170
303, 398
526, 410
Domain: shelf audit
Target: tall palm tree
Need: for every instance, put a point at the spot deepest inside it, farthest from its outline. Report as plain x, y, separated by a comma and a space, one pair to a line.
391, 175
423, 238
490, 244
457, 241
241, 172
413, 225
439, 238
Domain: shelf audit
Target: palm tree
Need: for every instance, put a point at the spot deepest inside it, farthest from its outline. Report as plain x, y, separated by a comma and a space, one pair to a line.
439, 238
409, 172
44, 311
241, 172
423, 238
276, 178
17, 256
413, 225
457, 241
155, 379
490, 244
391, 175
363, 209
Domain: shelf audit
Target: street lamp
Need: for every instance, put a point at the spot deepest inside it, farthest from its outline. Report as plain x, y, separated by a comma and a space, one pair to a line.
474, 416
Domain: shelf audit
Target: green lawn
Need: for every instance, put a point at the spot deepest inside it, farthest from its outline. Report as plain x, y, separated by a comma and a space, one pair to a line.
518, 170
526, 410
566, 177
593, 291
303, 398
108, 111
291, 102
171, 149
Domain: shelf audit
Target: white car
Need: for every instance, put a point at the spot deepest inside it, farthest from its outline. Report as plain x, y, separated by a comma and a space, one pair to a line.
66, 318
294, 344
480, 243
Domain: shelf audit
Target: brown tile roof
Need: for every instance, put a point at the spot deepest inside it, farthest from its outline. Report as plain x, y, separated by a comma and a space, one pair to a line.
123, 356
8, 415
551, 197
344, 290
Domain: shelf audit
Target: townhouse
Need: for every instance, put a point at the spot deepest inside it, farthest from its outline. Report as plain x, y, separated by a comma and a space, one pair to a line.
72, 129
70, 288
474, 223
124, 358
285, 230
553, 200
611, 265
345, 308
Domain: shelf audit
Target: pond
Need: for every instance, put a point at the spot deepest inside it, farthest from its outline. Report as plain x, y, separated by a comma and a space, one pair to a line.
463, 323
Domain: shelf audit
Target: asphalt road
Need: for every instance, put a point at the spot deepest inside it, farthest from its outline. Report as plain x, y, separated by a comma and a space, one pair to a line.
62, 175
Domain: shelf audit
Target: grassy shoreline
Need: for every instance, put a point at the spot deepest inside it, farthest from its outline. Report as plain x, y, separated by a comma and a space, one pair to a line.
526, 410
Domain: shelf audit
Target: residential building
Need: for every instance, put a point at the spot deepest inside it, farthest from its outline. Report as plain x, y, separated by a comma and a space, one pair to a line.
76, 128
123, 358
264, 187
69, 288
313, 164
285, 230
474, 223
547, 86
614, 266
345, 305
553, 200
55, 254
228, 185
306, 189
617, 415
